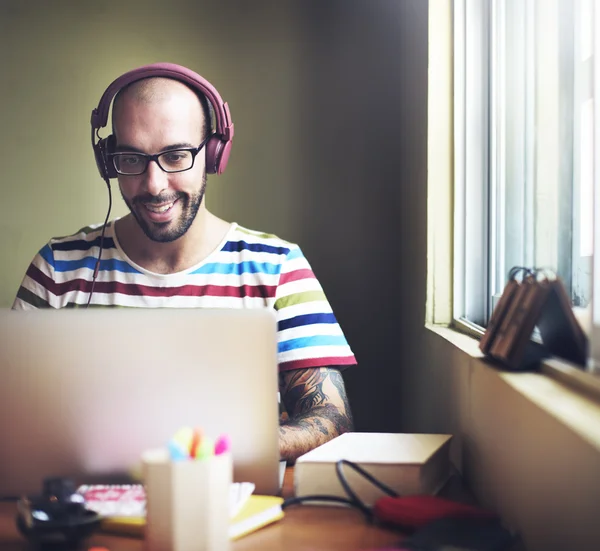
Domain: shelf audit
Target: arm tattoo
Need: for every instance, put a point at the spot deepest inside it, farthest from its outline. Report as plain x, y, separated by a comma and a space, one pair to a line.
340, 421
321, 427
338, 382
310, 429
304, 391
308, 406
314, 416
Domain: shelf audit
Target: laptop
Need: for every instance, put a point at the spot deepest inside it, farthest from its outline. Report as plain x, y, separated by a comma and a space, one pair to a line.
83, 393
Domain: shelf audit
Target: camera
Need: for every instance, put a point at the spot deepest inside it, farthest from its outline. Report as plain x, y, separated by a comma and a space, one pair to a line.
57, 516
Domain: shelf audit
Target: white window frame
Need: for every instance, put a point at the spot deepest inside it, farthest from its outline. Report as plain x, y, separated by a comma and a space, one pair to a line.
595, 344
471, 221
478, 232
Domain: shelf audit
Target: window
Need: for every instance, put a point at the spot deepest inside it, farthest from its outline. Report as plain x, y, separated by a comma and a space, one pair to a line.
524, 148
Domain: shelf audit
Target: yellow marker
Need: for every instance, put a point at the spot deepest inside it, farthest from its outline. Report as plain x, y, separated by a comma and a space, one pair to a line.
206, 449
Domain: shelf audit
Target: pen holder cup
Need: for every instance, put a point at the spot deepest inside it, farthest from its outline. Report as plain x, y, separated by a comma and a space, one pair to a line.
187, 502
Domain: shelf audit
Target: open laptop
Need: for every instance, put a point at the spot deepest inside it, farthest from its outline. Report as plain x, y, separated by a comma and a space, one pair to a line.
84, 392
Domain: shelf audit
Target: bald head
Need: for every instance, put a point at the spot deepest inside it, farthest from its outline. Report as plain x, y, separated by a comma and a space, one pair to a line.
156, 90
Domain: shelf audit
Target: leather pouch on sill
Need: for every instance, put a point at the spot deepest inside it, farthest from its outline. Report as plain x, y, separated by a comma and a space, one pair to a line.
561, 333
524, 305
498, 315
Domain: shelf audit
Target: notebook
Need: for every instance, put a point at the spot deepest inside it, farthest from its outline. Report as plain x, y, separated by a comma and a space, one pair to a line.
85, 392
258, 511
248, 512
120, 501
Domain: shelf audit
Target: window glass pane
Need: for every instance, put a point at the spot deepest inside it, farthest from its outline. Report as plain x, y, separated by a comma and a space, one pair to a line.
541, 141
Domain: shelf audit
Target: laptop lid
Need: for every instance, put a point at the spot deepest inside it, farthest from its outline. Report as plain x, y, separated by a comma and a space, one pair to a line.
84, 392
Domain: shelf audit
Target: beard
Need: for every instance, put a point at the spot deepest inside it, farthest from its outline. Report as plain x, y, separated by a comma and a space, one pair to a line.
168, 231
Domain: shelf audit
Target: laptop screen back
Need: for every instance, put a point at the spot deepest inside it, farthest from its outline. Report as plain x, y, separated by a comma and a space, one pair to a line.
84, 392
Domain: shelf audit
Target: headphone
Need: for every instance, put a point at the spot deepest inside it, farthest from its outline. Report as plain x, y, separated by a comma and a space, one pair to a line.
218, 146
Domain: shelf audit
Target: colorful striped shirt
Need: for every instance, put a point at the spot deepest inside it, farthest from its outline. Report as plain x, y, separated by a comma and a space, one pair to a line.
247, 270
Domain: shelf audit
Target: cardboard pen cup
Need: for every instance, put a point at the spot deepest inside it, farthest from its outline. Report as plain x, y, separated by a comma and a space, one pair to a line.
187, 502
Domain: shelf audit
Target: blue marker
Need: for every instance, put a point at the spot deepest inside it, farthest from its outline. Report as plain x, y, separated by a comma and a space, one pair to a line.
176, 452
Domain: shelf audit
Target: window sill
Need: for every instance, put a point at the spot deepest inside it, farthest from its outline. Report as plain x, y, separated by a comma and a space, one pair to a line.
572, 375
565, 392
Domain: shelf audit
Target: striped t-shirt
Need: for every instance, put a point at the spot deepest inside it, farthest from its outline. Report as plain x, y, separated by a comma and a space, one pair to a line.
247, 270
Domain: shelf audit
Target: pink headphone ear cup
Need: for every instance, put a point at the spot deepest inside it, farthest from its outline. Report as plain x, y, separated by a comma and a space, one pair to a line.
217, 154
224, 156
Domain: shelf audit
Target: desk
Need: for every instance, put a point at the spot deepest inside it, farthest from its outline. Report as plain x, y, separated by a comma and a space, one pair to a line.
303, 527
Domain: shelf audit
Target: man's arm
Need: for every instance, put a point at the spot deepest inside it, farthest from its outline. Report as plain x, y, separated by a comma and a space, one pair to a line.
317, 405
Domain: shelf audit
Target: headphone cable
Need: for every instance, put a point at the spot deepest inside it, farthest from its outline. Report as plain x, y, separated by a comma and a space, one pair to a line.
97, 266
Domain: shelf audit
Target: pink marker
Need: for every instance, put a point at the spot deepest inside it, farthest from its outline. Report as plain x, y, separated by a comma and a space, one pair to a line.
222, 444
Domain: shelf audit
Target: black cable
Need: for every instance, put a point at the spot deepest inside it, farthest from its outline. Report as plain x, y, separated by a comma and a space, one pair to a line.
383, 487
359, 503
97, 266
304, 499
353, 500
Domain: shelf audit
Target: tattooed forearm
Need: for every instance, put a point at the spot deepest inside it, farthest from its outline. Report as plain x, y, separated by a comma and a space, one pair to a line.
309, 430
317, 407
328, 418
336, 379
303, 390
321, 427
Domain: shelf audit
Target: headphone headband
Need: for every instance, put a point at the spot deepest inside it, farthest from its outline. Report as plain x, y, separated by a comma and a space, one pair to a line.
217, 148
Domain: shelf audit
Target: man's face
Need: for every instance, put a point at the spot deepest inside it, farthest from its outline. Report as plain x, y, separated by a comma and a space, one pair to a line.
164, 205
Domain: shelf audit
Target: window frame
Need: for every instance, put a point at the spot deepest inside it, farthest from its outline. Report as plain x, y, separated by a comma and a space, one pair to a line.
594, 366
478, 229
471, 215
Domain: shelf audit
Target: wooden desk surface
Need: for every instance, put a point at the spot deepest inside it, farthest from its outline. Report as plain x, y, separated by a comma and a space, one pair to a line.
303, 527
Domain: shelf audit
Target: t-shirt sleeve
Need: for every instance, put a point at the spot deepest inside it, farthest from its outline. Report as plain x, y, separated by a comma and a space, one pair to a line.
35, 290
308, 332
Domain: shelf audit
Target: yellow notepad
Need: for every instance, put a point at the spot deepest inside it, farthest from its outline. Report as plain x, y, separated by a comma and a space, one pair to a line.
258, 511
125, 526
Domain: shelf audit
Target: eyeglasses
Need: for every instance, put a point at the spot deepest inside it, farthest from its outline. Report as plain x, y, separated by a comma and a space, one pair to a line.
175, 160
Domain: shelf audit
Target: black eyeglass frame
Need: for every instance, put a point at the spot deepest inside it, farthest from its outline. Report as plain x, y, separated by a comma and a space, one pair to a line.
193, 150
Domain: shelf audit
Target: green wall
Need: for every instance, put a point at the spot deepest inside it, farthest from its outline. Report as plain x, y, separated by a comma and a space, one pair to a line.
58, 57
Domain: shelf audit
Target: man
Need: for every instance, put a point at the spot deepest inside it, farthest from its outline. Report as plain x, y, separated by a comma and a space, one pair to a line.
170, 251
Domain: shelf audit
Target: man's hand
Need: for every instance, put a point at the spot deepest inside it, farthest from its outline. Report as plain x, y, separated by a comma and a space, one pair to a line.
317, 406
